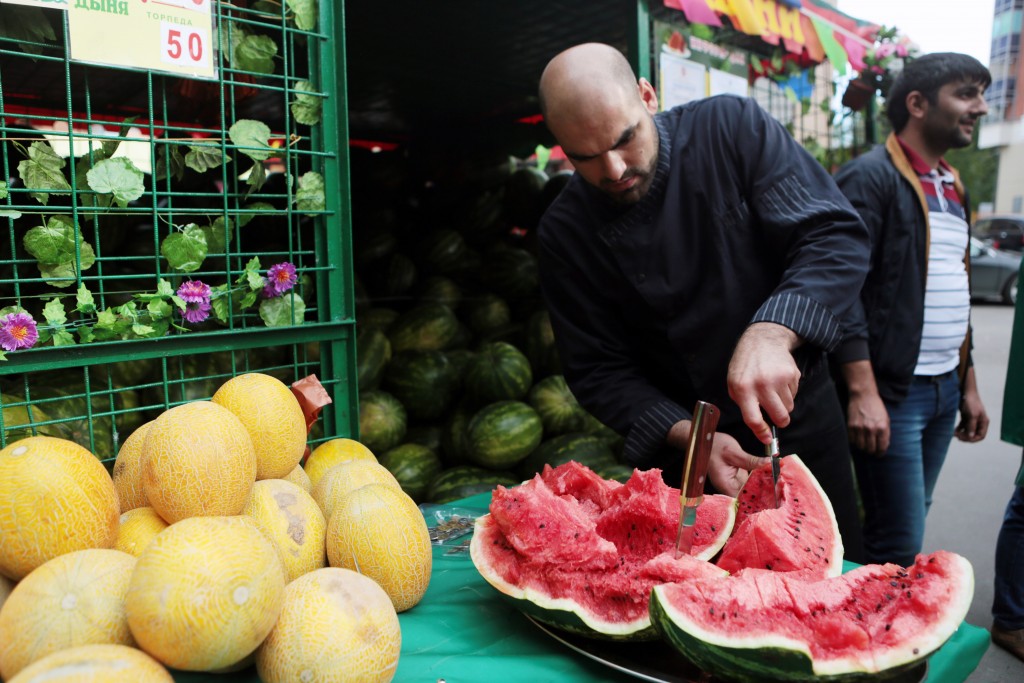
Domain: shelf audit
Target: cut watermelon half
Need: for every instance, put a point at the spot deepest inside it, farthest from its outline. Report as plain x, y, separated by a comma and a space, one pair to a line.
872, 623
801, 535
582, 553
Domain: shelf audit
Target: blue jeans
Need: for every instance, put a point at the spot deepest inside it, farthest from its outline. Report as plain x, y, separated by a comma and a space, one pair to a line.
1008, 604
896, 489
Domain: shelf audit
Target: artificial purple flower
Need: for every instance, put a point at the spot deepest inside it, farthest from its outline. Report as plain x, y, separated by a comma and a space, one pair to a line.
17, 331
280, 278
196, 296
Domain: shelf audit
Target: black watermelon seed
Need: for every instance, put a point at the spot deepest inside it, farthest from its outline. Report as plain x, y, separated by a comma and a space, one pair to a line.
919, 575
542, 525
888, 626
916, 651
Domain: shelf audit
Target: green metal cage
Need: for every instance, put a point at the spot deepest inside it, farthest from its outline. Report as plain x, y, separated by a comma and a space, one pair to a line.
120, 184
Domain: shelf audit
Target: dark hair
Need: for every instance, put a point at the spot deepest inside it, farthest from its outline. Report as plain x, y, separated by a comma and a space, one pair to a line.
927, 74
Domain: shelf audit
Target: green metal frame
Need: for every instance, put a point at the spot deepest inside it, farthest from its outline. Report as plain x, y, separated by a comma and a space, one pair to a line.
179, 366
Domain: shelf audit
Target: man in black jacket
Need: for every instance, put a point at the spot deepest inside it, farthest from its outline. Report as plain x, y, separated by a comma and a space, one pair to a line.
698, 253
906, 357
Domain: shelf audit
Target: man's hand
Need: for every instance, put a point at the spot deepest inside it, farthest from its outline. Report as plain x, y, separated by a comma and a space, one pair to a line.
867, 418
973, 419
728, 466
763, 374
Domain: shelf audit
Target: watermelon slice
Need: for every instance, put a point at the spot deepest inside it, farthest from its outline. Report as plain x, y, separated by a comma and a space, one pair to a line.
801, 535
872, 623
582, 553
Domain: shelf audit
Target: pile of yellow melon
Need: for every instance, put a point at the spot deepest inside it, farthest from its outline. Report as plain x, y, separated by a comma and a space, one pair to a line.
209, 548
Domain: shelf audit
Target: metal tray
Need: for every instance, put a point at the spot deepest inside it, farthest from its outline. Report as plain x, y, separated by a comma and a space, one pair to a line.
656, 661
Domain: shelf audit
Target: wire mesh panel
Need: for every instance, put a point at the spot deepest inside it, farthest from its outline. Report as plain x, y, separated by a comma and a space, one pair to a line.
160, 233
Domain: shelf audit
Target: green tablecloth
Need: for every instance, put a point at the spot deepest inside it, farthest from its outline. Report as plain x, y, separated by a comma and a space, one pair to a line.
464, 632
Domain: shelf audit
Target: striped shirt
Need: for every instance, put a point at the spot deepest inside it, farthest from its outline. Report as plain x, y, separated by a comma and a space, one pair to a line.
947, 299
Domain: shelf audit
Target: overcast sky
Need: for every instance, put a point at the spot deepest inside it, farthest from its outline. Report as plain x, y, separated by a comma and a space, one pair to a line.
935, 25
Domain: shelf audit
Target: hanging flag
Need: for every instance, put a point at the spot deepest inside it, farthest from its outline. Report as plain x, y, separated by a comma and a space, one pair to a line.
833, 50
795, 4
855, 51
697, 11
800, 85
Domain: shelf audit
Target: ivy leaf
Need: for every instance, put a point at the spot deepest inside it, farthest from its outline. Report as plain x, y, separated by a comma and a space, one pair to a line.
310, 196
88, 199
106, 319
306, 109
66, 274
305, 13
243, 219
86, 304
169, 163
220, 302
164, 289
10, 213
185, 250
85, 334
110, 146
143, 330
3, 190
257, 176
279, 311
201, 158
63, 338
256, 54
229, 40
54, 313
53, 246
118, 177
27, 24
247, 133
252, 274
43, 170
158, 308
214, 233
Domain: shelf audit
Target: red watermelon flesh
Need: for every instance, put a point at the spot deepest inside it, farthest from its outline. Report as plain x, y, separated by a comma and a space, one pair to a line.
780, 626
800, 536
594, 564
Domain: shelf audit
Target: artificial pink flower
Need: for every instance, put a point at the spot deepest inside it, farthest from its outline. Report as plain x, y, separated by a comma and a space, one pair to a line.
280, 278
196, 296
18, 331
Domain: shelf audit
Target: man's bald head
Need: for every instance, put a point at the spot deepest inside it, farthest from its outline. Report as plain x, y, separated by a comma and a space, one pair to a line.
586, 77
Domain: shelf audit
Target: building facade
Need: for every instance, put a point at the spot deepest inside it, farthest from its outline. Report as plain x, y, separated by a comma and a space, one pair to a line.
1004, 125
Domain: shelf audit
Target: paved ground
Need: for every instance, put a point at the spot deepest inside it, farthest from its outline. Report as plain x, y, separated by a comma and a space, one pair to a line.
975, 485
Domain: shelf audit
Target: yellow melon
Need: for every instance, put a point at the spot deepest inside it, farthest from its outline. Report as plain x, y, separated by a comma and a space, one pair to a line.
290, 518
299, 477
380, 533
95, 664
335, 626
137, 528
273, 417
71, 600
127, 472
57, 498
334, 452
6, 586
205, 593
198, 460
342, 479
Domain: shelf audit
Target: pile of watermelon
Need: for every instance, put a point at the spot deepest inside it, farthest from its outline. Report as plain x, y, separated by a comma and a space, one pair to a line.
459, 380
762, 598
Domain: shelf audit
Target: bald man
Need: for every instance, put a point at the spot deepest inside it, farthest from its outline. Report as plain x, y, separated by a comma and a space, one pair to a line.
698, 253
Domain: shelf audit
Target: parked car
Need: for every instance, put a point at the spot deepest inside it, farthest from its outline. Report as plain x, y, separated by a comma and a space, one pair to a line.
1004, 232
993, 272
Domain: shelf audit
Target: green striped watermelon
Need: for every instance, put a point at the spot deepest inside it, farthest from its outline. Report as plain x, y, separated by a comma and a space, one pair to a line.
463, 481
423, 381
582, 448
455, 437
378, 317
512, 272
540, 345
426, 434
428, 327
414, 466
374, 247
498, 372
395, 276
439, 289
503, 433
442, 251
373, 351
382, 421
557, 407
486, 313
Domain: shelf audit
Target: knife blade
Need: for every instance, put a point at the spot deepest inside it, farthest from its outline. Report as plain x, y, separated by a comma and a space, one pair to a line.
698, 452
771, 450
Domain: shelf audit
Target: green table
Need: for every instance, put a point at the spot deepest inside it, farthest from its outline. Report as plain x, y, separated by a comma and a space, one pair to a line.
464, 632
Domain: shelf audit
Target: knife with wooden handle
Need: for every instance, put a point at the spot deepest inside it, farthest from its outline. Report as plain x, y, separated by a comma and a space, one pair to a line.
695, 469
771, 450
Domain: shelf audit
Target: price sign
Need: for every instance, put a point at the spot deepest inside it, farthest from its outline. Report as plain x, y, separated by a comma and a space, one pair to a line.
162, 35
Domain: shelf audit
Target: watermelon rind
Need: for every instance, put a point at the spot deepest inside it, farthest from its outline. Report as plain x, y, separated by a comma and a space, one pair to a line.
748, 655
561, 613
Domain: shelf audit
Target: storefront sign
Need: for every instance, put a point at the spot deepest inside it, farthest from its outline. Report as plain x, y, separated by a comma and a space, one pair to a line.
169, 35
